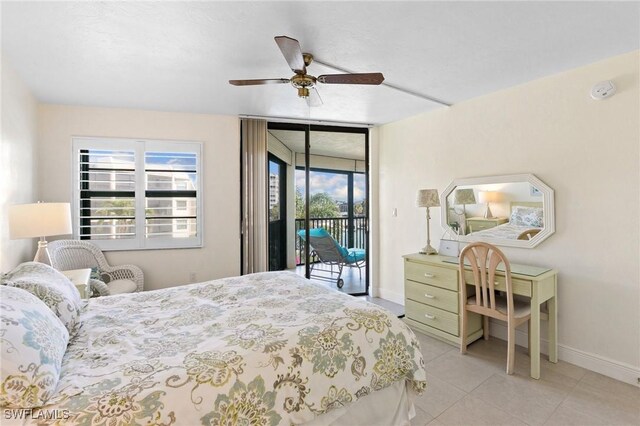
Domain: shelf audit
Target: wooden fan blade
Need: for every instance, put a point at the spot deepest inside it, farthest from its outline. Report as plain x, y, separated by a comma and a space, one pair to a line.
259, 81
291, 51
362, 78
314, 99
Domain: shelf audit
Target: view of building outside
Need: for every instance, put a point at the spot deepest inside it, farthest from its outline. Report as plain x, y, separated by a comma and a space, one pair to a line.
165, 216
274, 191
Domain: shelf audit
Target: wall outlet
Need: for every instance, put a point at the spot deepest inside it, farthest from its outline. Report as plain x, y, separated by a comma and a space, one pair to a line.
193, 277
394, 212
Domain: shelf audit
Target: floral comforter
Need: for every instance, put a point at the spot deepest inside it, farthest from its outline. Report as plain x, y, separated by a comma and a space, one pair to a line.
263, 349
505, 231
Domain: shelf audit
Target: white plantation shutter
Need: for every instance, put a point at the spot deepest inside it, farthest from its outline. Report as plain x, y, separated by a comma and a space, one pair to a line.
171, 194
137, 194
107, 194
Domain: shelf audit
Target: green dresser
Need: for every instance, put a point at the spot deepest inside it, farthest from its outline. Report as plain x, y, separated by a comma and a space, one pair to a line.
431, 294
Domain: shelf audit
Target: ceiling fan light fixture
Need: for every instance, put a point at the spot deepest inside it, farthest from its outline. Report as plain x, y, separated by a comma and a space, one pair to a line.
298, 61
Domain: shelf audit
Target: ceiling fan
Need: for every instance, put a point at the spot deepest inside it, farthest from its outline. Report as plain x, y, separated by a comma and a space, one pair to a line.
305, 83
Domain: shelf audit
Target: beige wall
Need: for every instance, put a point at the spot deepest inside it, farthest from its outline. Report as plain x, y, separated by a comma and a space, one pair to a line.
18, 165
586, 150
220, 256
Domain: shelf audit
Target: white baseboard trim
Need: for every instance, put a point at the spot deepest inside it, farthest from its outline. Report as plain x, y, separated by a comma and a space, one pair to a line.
393, 296
605, 366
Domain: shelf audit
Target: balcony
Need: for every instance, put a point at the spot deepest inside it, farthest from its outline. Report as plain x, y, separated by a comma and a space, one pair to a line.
354, 236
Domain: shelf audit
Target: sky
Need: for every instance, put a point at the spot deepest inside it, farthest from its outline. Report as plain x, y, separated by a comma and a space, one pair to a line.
335, 184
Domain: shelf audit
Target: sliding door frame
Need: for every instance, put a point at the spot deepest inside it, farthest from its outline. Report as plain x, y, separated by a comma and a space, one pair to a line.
307, 129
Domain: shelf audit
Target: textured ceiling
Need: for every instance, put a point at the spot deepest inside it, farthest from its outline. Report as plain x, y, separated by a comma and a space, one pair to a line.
332, 144
178, 56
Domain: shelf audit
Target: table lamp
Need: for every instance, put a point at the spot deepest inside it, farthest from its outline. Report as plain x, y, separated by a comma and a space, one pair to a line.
39, 220
464, 197
428, 198
488, 197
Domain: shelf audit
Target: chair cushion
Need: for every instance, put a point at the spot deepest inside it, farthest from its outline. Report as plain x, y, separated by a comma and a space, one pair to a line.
52, 287
122, 286
322, 233
33, 343
356, 255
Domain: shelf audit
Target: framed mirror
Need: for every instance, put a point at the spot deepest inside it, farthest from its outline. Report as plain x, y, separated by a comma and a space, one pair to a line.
510, 210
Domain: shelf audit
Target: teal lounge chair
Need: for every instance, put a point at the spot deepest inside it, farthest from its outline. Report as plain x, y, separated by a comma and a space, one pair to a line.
329, 252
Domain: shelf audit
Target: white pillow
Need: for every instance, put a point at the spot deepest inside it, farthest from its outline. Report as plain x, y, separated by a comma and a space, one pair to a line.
52, 287
32, 343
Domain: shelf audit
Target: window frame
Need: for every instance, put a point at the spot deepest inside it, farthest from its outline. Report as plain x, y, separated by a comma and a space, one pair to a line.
140, 147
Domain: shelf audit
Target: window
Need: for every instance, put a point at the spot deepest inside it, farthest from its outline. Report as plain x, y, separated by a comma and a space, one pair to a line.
137, 194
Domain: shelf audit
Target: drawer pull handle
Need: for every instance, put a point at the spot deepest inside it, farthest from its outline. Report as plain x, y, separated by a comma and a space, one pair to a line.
429, 296
428, 275
431, 317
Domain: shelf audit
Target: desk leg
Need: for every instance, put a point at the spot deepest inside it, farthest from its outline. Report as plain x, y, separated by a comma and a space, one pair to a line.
535, 334
552, 305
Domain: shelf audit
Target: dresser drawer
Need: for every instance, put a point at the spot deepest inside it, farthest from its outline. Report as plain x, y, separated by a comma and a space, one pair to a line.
433, 317
432, 275
521, 287
433, 296
479, 226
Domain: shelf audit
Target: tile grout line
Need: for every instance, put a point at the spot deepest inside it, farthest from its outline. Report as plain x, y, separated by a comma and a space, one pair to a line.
563, 399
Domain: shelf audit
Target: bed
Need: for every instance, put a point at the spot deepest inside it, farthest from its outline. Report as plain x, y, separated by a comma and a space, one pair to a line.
269, 349
525, 221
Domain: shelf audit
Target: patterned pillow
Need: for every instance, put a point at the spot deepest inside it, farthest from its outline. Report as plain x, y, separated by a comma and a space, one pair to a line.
32, 344
96, 274
527, 216
50, 286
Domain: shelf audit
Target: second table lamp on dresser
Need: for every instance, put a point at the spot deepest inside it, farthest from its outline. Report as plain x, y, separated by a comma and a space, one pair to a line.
428, 198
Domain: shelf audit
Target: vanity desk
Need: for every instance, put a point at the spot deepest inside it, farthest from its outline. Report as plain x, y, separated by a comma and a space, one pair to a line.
432, 302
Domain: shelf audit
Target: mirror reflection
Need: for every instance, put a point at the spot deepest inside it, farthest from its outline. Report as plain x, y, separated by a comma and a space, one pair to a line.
512, 210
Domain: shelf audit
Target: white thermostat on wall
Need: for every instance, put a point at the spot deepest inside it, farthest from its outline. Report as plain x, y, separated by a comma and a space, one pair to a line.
603, 90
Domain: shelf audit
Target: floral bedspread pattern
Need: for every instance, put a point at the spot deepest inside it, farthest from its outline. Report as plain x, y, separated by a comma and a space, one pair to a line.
506, 231
264, 349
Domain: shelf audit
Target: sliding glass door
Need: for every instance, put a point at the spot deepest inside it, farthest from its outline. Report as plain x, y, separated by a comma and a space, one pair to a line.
328, 213
277, 214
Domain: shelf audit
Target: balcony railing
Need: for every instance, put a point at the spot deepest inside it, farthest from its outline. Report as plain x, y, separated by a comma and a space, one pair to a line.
354, 236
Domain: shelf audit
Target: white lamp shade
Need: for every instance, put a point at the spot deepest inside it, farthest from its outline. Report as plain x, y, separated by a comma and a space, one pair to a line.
39, 220
488, 196
464, 196
427, 198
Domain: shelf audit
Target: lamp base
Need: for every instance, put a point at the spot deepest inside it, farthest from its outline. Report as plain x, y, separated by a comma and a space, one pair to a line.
428, 250
42, 255
487, 213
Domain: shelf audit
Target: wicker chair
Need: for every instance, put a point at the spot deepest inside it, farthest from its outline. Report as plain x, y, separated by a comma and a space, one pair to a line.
75, 254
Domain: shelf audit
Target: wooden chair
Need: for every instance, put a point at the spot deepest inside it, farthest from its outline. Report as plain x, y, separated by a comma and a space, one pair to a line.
529, 234
483, 260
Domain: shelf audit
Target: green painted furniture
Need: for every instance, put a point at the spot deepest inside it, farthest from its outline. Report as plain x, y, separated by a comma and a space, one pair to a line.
475, 224
432, 283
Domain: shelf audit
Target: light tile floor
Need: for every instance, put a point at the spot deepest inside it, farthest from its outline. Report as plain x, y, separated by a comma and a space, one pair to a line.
354, 280
474, 389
